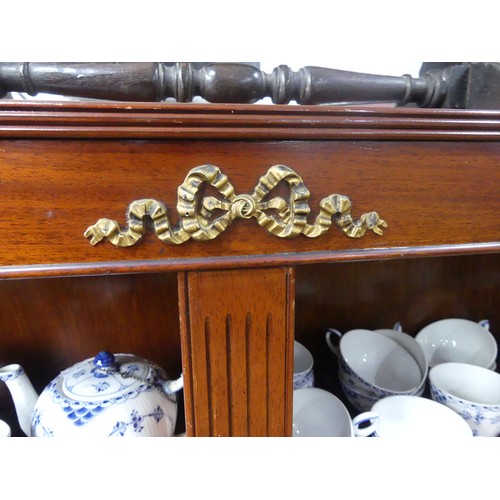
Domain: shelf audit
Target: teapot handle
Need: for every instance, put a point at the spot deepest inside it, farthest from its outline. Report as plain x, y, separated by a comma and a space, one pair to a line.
173, 386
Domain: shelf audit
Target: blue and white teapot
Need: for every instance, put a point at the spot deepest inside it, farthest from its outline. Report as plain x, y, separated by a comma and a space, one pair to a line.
109, 395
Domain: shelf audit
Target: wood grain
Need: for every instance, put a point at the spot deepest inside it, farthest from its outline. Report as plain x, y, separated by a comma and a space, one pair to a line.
433, 196
89, 120
237, 344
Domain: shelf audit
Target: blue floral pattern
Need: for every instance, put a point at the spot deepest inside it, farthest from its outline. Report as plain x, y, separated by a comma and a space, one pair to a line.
82, 412
481, 418
136, 422
36, 422
101, 386
84, 392
11, 374
301, 381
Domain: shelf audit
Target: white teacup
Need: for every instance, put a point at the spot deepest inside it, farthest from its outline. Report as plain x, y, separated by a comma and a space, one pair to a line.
303, 362
4, 429
458, 340
363, 402
374, 364
471, 391
319, 413
413, 347
359, 400
410, 417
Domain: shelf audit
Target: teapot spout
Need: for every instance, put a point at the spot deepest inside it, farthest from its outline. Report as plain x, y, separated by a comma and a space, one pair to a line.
173, 386
22, 392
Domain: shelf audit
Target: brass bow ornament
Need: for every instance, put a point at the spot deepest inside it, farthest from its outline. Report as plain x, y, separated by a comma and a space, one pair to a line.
197, 219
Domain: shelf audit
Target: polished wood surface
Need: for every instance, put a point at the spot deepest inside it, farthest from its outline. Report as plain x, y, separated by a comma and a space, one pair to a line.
69, 119
433, 195
414, 292
237, 331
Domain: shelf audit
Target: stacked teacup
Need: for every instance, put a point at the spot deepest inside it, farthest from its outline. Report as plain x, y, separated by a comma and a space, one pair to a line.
375, 364
303, 363
459, 340
462, 359
316, 412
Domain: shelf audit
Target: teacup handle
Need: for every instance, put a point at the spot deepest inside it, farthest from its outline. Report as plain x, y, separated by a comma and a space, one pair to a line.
368, 416
333, 347
485, 323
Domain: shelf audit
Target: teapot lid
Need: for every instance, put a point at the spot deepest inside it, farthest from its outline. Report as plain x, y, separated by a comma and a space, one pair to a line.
109, 375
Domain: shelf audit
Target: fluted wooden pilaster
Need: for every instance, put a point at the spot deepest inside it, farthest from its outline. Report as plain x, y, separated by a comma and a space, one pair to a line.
237, 345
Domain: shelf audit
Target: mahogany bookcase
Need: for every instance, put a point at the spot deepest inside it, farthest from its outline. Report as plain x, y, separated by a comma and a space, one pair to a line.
235, 256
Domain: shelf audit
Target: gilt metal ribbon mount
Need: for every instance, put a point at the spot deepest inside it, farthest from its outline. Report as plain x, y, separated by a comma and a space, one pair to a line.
203, 217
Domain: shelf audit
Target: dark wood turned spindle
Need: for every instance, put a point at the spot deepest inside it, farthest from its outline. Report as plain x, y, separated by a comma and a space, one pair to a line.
219, 83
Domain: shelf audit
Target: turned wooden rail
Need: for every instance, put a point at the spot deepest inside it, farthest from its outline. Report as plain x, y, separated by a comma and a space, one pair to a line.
440, 85
220, 83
